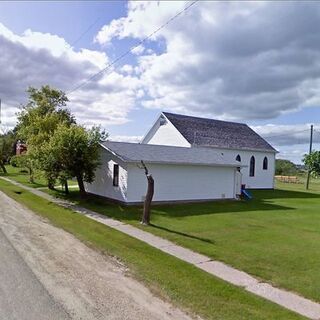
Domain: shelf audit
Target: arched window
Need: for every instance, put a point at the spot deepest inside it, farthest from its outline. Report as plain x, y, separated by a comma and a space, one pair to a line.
116, 175
238, 158
252, 166
265, 163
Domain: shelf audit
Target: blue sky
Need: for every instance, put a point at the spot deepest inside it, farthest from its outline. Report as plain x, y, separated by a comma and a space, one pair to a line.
68, 19
245, 62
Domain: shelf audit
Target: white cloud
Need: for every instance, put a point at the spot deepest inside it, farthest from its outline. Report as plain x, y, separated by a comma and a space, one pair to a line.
37, 40
229, 60
142, 19
294, 153
127, 68
55, 45
133, 139
283, 135
109, 31
138, 50
292, 141
36, 59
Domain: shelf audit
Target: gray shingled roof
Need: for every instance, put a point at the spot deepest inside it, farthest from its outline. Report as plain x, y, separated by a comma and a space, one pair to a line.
215, 133
150, 153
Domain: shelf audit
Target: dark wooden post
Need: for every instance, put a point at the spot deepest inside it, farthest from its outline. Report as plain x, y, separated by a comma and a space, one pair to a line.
310, 150
149, 196
66, 187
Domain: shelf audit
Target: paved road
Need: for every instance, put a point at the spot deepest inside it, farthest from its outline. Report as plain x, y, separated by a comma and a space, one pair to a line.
22, 296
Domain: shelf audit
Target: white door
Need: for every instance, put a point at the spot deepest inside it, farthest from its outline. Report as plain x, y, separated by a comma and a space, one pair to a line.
238, 182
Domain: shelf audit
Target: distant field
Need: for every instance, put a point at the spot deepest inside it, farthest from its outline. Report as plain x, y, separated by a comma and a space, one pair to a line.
314, 184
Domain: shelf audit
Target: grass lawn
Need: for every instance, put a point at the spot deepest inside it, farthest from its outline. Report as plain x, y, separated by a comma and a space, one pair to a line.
275, 236
21, 175
168, 277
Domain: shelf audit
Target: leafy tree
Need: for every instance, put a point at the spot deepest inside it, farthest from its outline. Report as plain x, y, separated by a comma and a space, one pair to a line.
285, 168
42, 114
73, 151
37, 122
312, 162
56, 145
7, 143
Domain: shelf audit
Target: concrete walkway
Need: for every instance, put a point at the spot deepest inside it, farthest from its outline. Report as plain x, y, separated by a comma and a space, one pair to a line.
289, 300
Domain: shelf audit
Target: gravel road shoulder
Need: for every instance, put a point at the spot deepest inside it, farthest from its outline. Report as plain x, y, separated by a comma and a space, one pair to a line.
87, 284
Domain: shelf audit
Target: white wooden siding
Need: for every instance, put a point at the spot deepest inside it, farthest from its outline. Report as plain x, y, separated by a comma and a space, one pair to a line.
264, 179
103, 183
182, 182
165, 134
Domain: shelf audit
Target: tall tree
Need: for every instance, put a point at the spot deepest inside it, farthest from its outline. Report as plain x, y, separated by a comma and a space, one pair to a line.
7, 142
312, 162
74, 152
37, 122
45, 110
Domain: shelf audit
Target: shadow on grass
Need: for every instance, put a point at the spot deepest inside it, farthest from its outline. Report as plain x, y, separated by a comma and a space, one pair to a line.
262, 201
134, 213
182, 234
218, 207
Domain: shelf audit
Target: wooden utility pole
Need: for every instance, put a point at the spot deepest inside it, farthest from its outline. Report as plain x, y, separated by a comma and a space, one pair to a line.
2, 130
310, 150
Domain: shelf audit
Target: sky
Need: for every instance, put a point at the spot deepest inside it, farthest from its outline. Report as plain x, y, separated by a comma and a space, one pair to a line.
252, 62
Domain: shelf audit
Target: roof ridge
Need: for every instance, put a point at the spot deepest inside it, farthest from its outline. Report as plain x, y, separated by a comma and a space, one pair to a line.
202, 118
151, 145
219, 133
150, 153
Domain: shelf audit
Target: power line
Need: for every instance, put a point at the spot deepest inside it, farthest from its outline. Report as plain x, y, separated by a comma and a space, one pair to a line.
285, 135
132, 48
84, 33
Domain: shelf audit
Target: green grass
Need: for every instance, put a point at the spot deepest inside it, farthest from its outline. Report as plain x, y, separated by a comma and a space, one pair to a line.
21, 175
274, 237
184, 285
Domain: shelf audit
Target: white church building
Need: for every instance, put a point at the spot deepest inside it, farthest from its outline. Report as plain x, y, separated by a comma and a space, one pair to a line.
190, 159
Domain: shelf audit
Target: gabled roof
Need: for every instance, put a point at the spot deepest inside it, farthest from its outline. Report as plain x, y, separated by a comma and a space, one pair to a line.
150, 153
215, 133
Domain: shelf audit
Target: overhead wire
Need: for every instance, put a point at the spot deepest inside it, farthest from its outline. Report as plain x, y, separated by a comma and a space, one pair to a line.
85, 32
284, 135
113, 62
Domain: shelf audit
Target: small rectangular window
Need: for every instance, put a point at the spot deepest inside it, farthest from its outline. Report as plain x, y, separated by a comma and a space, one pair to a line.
116, 175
